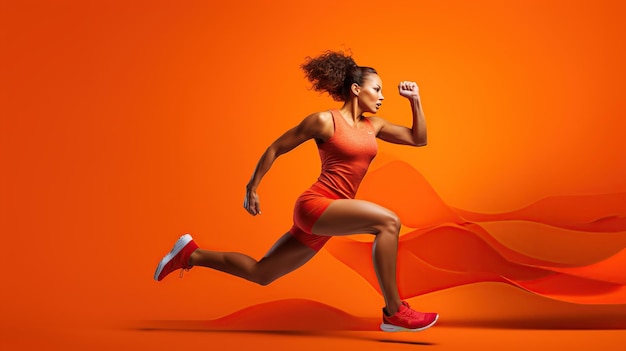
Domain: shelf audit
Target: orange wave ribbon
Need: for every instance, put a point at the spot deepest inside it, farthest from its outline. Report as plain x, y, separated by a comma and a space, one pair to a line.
448, 247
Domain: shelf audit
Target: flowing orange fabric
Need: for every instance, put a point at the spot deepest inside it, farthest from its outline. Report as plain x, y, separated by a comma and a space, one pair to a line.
448, 247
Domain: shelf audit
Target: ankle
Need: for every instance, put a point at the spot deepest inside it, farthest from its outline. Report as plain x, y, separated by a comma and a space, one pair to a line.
391, 309
193, 258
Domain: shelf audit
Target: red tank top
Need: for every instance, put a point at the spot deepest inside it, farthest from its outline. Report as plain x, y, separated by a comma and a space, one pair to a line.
346, 156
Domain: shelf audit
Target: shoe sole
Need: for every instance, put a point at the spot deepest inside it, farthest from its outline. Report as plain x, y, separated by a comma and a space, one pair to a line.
390, 328
178, 247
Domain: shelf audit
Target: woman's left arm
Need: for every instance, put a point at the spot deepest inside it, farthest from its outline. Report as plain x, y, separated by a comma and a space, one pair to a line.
414, 136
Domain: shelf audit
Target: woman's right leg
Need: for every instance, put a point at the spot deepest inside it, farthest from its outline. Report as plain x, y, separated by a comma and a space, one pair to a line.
285, 256
343, 217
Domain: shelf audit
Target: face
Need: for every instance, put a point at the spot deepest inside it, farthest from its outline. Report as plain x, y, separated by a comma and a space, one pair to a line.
370, 95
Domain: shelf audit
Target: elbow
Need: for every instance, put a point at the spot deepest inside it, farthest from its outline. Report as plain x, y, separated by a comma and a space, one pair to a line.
420, 142
419, 139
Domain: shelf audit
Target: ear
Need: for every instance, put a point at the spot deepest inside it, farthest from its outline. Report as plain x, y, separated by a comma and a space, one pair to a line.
355, 88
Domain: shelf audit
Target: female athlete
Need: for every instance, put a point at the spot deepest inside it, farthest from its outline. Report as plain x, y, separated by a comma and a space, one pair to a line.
346, 140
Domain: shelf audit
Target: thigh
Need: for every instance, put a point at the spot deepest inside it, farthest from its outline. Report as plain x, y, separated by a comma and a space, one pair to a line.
349, 216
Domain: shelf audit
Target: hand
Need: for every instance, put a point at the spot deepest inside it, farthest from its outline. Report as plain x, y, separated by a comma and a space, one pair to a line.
408, 90
251, 203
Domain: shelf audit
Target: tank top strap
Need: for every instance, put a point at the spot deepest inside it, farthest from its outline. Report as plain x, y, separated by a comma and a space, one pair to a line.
337, 118
339, 123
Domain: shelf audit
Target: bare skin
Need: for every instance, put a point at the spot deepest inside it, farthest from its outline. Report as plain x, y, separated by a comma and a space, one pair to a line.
342, 217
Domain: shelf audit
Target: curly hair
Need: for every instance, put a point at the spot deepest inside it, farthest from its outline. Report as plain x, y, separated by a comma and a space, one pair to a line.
334, 72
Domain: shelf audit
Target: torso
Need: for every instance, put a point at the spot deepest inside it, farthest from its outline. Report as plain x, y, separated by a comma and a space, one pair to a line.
346, 150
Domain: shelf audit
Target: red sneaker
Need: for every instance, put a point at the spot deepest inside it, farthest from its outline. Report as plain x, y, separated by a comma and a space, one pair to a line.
178, 258
407, 319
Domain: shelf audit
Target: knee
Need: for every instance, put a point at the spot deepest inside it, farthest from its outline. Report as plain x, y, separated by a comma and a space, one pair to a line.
265, 279
390, 223
264, 282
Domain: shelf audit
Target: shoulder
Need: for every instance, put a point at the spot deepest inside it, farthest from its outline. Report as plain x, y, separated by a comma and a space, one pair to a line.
322, 117
318, 124
317, 120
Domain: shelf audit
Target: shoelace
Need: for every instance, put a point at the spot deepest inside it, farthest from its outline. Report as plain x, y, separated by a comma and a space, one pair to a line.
183, 270
412, 312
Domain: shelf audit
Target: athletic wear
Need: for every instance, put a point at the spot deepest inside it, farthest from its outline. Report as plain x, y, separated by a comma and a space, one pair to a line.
407, 319
345, 157
177, 258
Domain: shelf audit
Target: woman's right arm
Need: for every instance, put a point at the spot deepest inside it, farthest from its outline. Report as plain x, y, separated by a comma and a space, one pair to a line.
313, 126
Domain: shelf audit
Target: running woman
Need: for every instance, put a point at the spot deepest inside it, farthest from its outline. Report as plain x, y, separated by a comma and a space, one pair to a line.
346, 141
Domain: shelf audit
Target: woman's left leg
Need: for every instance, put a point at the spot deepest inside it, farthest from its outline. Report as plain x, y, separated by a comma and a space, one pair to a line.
286, 255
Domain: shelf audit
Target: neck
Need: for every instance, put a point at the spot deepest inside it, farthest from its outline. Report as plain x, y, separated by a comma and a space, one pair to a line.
351, 110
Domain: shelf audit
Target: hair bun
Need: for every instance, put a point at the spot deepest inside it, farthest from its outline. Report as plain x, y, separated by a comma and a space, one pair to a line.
329, 72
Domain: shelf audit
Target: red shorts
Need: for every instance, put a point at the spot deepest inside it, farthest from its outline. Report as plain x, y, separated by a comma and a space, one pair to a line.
309, 207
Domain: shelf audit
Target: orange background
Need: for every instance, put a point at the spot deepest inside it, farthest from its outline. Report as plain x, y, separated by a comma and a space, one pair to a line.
126, 124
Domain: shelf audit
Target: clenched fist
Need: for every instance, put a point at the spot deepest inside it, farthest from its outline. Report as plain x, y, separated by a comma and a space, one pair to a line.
409, 90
